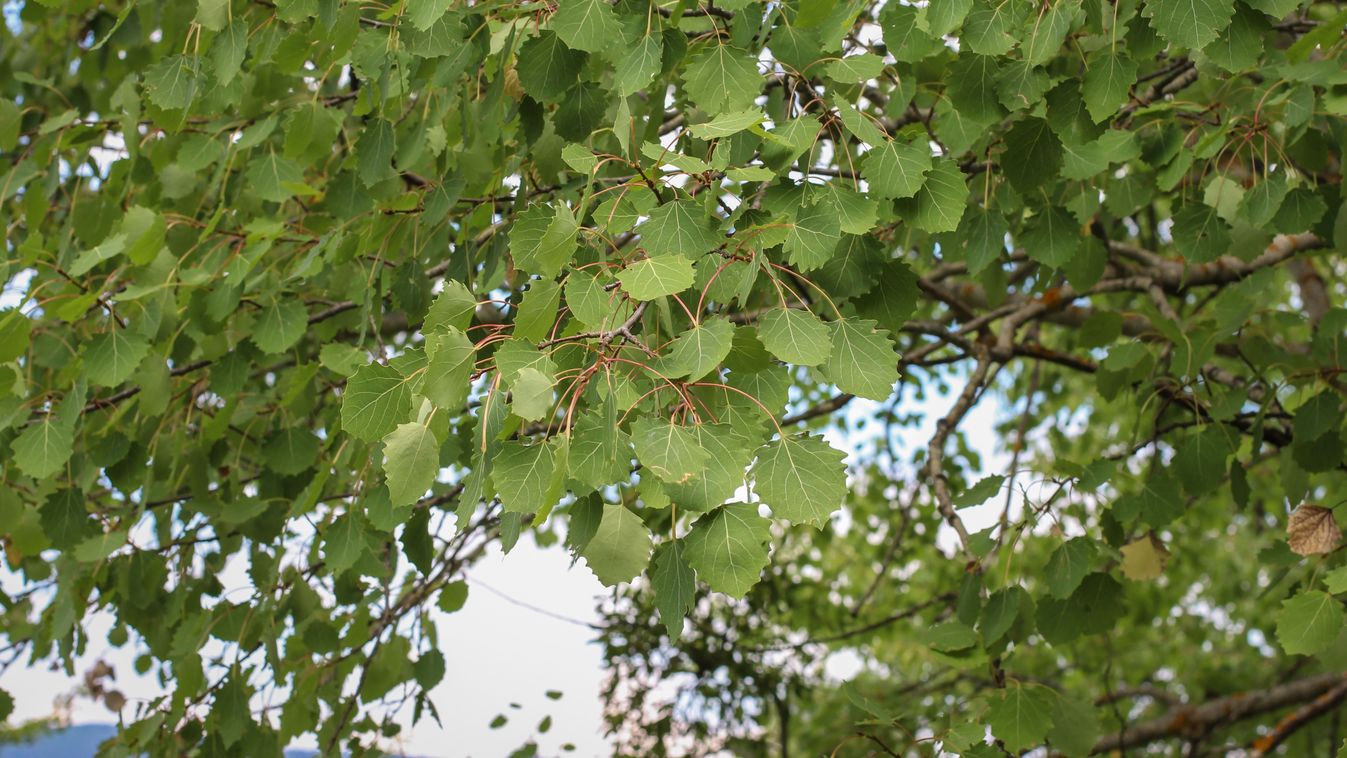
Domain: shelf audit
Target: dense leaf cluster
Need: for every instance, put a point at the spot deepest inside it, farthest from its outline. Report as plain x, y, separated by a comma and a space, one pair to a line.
322, 299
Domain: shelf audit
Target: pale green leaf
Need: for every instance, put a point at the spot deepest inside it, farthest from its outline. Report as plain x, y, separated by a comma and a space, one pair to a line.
863, 361
411, 461
802, 479
656, 277
620, 550
728, 548
795, 336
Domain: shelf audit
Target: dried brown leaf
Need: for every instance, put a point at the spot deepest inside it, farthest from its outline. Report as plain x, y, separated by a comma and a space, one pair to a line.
1312, 530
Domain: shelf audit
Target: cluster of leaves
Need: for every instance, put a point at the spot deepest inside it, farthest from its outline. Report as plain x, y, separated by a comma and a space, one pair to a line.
329, 297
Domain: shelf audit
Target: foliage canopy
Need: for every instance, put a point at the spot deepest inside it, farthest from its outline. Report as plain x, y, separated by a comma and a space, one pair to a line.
334, 296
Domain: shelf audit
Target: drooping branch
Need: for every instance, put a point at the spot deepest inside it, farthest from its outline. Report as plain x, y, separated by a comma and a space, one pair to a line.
1193, 721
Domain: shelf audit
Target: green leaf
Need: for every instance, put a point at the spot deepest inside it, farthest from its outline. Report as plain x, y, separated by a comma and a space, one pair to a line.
721, 79
345, 542
424, 13
672, 452
678, 228
375, 401
949, 637
1021, 715
98, 548
374, 152
855, 68
620, 550
1000, 613
1068, 565
897, 169
291, 451
1109, 75
813, 235
1047, 32
280, 325
43, 448
411, 461
600, 451
795, 336
589, 25
979, 493
727, 124
991, 27
657, 277
547, 67
542, 239
1189, 23
638, 65
1309, 622
728, 454
1200, 234
531, 395
229, 50
802, 479
862, 362
728, 548
273, 178
523, 476
1075, 727
675, 586
113, 356
449, 368
700, 350
1053, 238
942, 200
453, 308
1201, 460
173, 83
1033, 154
